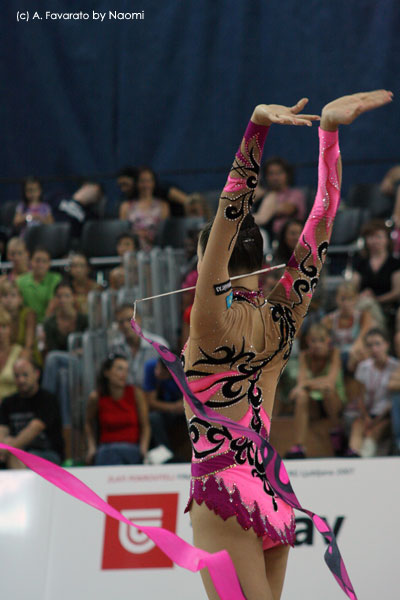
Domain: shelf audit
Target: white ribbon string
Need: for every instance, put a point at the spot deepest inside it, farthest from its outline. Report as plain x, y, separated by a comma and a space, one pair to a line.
194, 287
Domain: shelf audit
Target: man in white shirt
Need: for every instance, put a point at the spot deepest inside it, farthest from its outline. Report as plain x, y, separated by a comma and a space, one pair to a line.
129, 344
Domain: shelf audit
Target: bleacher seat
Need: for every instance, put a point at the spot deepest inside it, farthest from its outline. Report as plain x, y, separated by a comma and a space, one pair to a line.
369, 196
99, 238
309, 194
7, 211
347, 226
173, 231
55, 237
212, 199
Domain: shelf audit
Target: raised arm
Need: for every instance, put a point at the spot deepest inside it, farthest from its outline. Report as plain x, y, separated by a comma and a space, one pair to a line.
295, 288
213, 285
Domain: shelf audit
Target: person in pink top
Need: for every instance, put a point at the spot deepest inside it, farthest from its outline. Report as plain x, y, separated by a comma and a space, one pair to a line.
32, 210
146, 211
281, 201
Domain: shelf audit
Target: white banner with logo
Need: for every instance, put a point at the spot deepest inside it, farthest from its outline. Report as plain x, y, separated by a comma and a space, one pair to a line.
53, 546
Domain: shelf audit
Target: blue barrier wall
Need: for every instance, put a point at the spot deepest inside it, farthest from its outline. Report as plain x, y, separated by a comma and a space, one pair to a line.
175, 89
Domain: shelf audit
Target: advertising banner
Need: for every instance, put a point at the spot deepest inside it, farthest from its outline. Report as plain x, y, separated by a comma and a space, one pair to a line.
66, 549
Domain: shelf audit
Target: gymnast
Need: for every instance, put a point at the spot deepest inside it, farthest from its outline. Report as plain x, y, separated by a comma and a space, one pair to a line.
241, 500
239, 344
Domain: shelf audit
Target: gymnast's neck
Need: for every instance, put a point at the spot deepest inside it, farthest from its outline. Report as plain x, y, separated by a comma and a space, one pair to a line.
250, 282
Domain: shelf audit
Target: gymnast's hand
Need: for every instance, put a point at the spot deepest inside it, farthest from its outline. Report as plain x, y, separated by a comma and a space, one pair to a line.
346, 109
266, 114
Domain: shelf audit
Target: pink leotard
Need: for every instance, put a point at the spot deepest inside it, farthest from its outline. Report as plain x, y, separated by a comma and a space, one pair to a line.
226, 372
228, 384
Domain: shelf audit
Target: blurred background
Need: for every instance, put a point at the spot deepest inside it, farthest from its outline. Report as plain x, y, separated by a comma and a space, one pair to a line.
117, 138
175, 90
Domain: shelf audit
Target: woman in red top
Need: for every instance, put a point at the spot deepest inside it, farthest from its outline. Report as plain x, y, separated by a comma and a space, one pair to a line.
117, 418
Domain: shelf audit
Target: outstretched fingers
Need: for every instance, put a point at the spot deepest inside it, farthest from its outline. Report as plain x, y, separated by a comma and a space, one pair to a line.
299, 106
371, 100
300, 119
290, 120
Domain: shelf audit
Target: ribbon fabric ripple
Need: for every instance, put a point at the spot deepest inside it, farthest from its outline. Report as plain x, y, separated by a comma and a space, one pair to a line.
183, 554
273, 464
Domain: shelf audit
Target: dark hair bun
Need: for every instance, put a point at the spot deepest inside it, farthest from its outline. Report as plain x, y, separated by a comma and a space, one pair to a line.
248, 222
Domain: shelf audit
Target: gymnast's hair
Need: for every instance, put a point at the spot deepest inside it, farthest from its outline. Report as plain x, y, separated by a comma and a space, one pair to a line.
247, 255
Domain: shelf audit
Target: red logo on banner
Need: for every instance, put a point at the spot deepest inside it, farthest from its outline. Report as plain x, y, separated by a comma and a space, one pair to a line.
126, 547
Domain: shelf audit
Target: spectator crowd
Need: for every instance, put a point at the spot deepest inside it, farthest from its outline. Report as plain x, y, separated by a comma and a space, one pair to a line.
344, 369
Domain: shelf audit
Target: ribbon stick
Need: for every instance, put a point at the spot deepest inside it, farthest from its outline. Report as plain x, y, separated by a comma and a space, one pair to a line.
193, 287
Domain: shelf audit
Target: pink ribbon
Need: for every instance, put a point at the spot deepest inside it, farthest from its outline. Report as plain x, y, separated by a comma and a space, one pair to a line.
219, 564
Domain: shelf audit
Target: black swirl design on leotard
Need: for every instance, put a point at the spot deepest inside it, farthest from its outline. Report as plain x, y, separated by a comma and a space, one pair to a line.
307, 284
215, 436
308, 270
242, 181
243, 384
234, 387
322, 251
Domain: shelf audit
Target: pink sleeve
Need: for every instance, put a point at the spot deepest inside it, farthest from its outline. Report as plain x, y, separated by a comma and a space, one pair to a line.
295, 288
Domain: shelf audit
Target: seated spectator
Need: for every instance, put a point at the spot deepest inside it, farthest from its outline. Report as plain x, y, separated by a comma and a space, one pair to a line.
316, 313
23, 320
372, 420
146, 212
37, 287
80, 281
376, 271
394, 389
320, 379
65, 320
120, 412
32, 210
125, 243
390, 182
347, 326
126, 181
176, 198
29, 419
164, 400
390, 187
197, 206
396, 339
81, 207
288, 238
281, 201
4, 235
18, 255
128, 344
189, 280
9, 354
